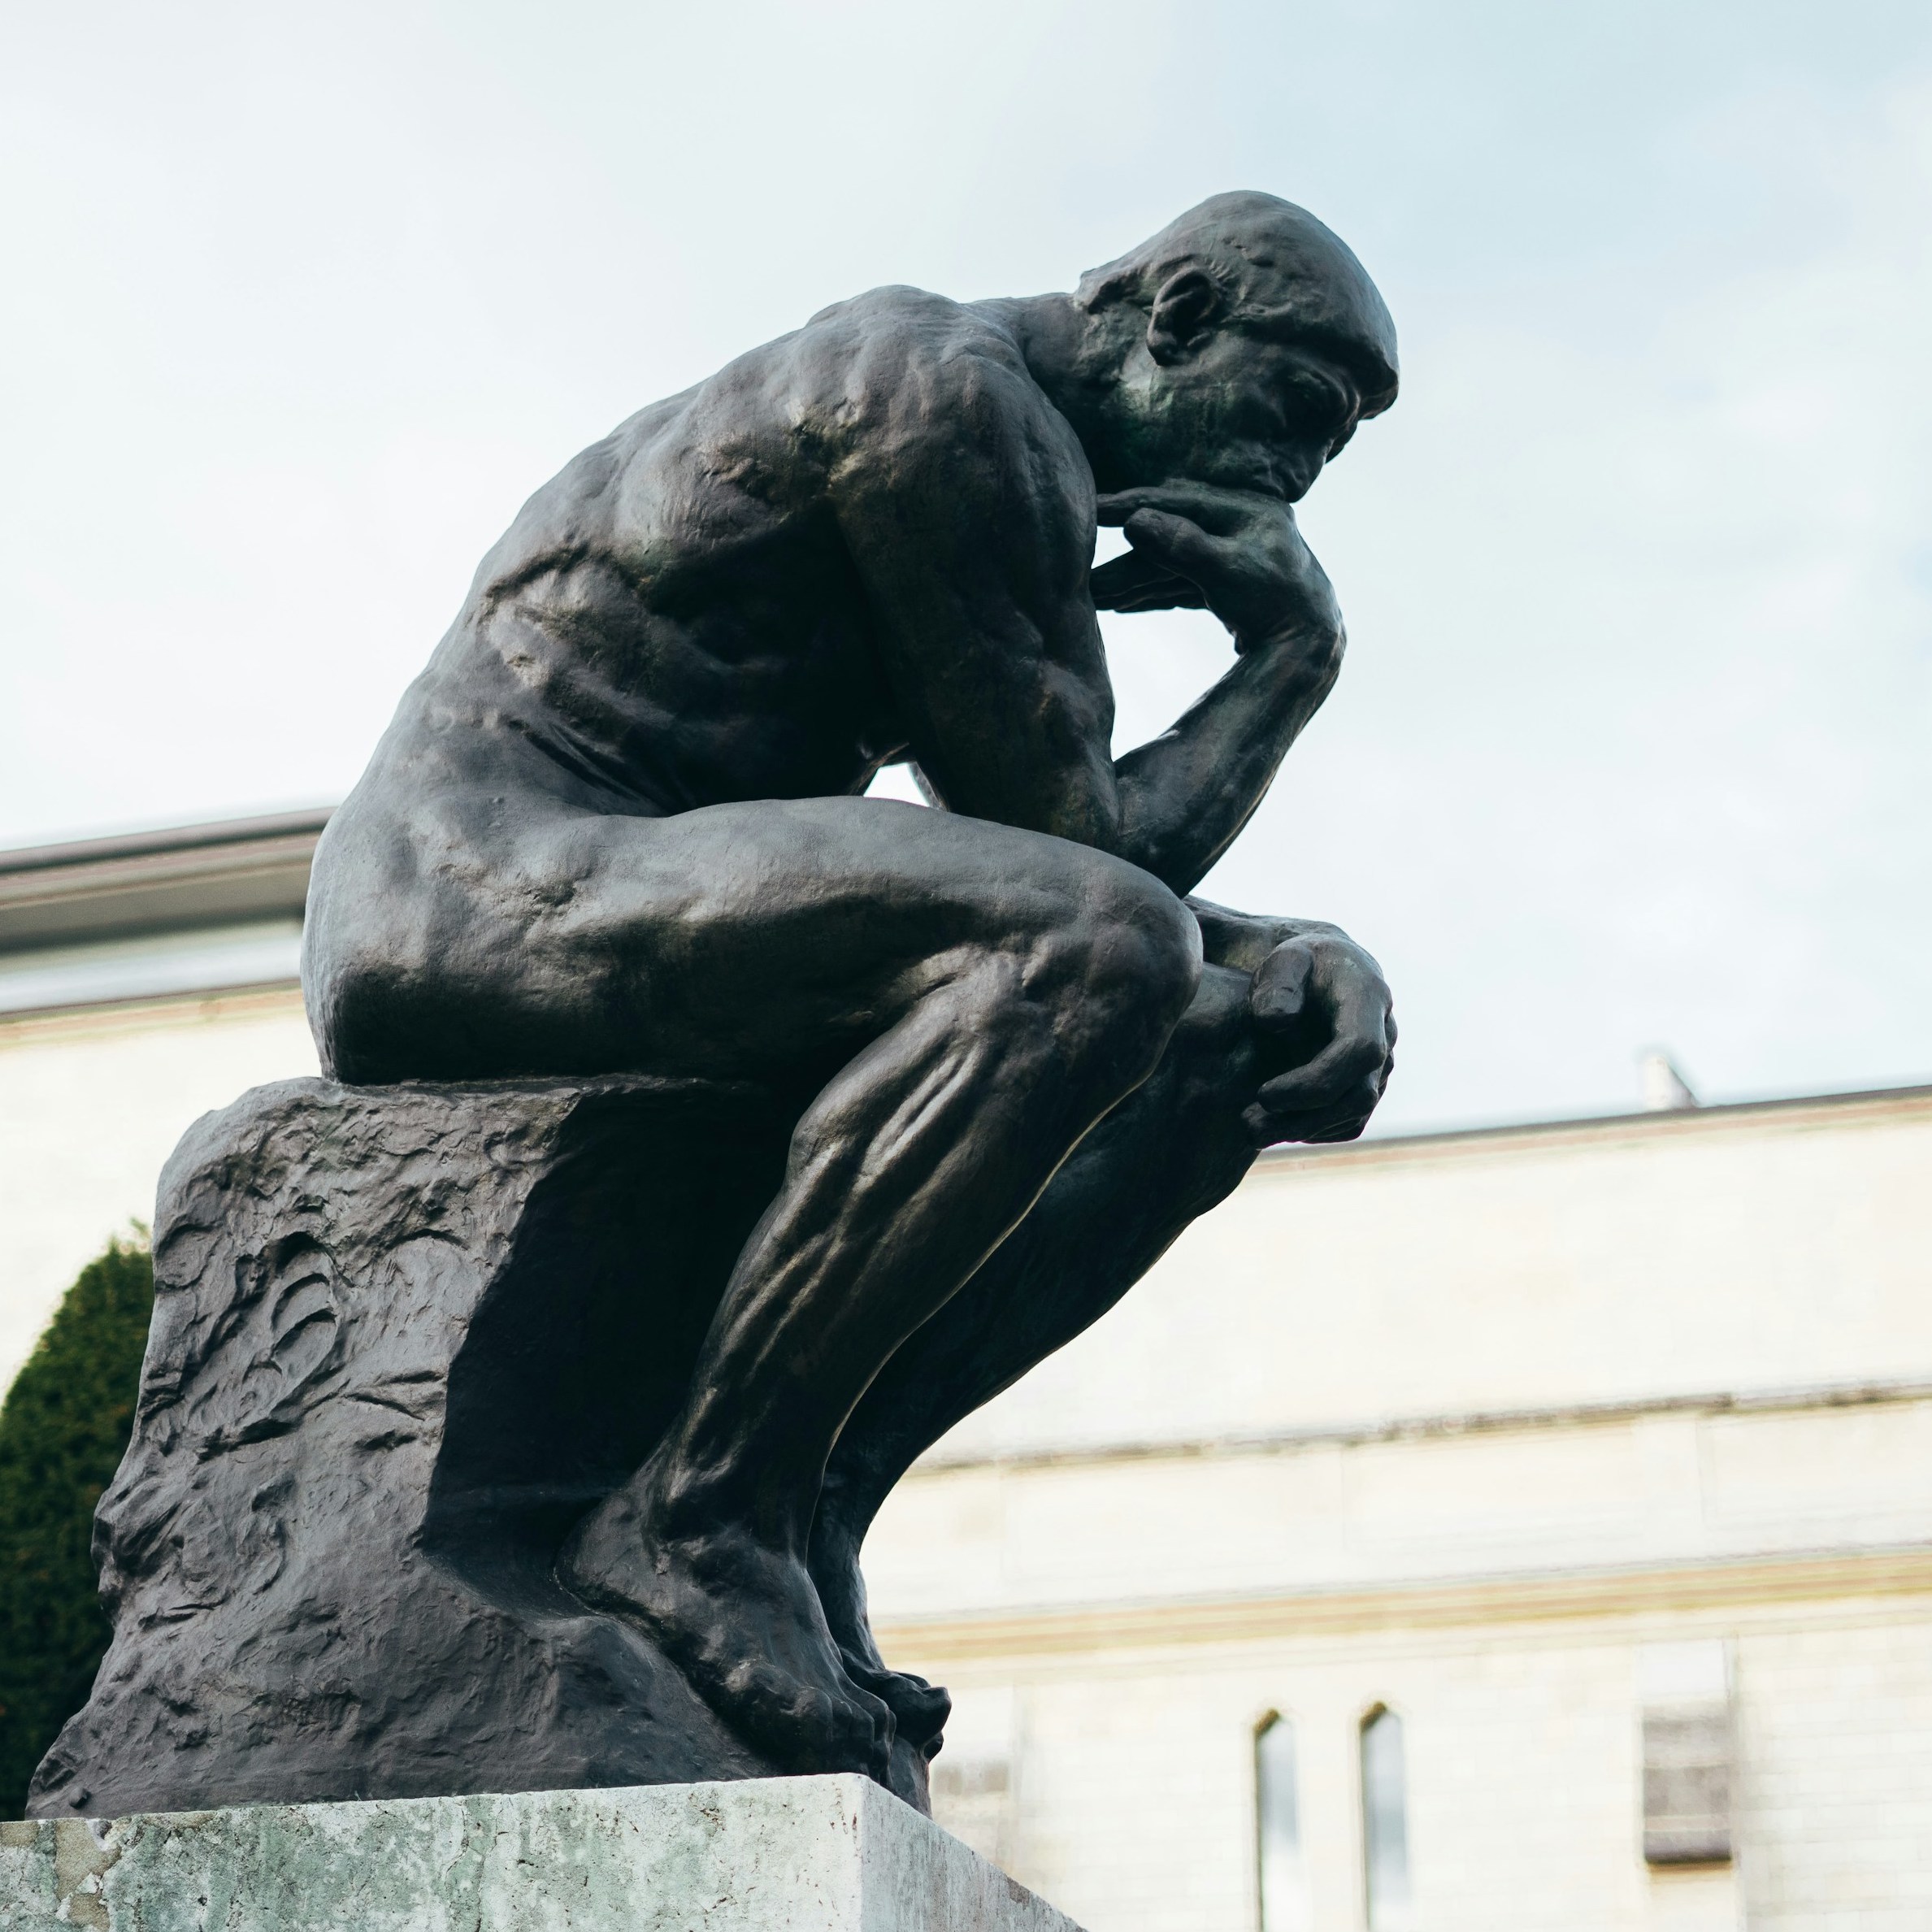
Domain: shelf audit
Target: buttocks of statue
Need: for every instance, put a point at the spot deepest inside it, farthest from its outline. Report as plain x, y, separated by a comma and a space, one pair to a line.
700, 1139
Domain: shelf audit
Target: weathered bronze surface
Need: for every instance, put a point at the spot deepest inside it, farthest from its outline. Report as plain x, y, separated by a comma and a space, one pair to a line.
615, 832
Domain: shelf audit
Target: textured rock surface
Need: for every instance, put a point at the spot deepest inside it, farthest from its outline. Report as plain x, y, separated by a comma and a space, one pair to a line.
779, 1855
403, 1337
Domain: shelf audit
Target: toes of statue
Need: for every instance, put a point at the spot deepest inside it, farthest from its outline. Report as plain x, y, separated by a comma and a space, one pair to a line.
919, 1709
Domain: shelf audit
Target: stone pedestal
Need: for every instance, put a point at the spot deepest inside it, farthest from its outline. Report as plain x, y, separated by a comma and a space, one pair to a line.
771, 1855
403, 1338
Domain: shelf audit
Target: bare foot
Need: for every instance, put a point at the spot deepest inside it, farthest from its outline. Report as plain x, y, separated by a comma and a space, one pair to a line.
920, 1709
742, 1622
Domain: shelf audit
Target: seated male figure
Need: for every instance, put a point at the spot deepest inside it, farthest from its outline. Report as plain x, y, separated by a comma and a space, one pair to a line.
615, 826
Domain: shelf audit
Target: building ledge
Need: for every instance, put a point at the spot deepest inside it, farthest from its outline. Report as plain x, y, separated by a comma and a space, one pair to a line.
95, 891
1879, 1104
170, 965
1797, 1400
1897, 1575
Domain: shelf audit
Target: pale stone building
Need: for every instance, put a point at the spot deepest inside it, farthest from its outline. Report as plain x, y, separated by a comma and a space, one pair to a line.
143, 981
1523, 1529
1566, 1446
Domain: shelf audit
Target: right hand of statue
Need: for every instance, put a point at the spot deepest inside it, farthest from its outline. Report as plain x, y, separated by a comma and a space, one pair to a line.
1239, 553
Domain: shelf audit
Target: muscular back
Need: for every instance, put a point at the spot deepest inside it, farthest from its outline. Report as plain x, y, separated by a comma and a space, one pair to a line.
868, 537
868, 540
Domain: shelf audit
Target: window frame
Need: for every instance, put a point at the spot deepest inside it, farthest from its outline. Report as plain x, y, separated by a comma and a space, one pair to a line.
1384, 1913
1292, 1914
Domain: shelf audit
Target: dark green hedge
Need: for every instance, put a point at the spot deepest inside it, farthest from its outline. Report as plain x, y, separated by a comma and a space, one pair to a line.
61, 1432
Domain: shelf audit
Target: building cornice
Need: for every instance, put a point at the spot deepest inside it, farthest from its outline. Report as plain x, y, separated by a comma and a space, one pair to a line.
1801, 1398
1900, 1571
96, 890
1877, 1105
128, 1019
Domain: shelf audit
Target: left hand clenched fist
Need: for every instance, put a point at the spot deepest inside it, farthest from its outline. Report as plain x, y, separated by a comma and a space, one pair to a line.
1322, 1011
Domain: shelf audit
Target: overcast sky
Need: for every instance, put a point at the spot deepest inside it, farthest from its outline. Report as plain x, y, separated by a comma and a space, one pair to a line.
1632, 743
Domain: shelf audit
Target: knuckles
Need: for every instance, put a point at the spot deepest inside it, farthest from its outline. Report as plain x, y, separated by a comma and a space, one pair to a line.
1330, 1096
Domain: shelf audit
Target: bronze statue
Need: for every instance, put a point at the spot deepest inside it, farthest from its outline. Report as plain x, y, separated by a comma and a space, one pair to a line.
616, 829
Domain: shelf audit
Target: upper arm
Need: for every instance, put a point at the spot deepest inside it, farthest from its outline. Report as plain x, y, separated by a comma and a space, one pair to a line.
967, 507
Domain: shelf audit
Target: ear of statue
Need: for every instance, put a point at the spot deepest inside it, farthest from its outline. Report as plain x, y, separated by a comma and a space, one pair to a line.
1184, 311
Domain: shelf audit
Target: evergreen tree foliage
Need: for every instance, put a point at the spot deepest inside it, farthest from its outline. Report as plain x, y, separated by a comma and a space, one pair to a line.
65, 1424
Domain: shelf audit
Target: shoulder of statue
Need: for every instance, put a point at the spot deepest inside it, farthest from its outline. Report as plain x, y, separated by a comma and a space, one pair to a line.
935, 388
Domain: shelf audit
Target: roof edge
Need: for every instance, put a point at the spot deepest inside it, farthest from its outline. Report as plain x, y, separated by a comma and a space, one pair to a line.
1710, 1113
173, 838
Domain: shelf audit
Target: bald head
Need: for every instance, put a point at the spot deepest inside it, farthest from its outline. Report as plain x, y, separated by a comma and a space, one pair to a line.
1279, 271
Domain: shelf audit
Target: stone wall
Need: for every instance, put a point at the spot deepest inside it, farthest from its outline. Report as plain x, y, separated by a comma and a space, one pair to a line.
1132, 1794
1474, 1428
92, 1104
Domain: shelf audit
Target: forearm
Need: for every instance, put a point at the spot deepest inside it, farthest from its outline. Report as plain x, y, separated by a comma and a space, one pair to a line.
1184, 797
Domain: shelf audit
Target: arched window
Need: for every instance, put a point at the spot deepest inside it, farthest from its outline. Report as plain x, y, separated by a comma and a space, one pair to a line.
1278, 1829
1385, 1824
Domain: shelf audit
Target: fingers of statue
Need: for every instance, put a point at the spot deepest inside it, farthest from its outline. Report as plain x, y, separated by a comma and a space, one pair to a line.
1244, 550
1326, 989
1178, 543
1223, 512
1278, 999
1137, 582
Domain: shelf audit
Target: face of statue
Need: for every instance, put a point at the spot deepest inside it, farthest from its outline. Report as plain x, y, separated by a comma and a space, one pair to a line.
1206, 395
